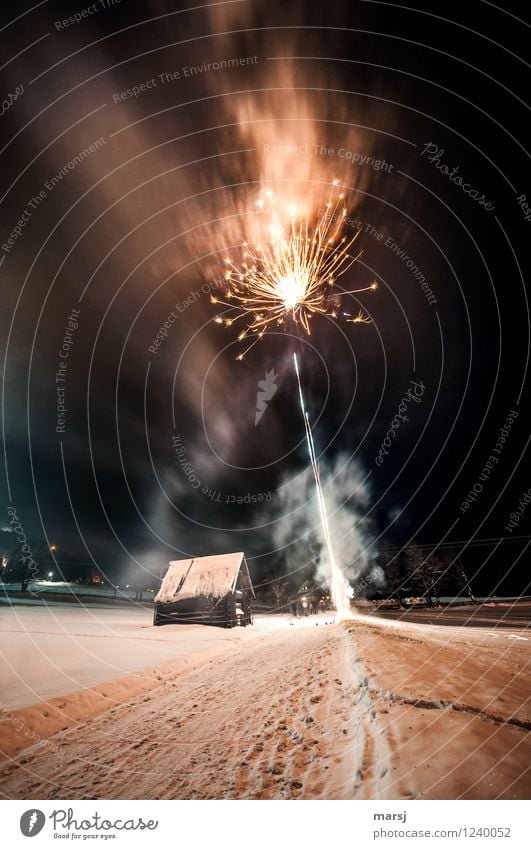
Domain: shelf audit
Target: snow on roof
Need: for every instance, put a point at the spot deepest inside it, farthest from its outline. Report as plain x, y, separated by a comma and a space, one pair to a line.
215, 575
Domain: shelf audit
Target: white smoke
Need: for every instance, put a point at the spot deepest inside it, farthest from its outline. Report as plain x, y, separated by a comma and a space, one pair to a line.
297, 529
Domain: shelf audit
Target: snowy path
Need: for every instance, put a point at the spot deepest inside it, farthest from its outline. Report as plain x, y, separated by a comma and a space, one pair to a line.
355, 710
267, 719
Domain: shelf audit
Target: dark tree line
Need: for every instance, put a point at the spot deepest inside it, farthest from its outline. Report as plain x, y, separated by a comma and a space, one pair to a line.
416, 572
26, 565
38, 562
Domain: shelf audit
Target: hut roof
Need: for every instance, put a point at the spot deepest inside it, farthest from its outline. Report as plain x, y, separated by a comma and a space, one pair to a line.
215, 575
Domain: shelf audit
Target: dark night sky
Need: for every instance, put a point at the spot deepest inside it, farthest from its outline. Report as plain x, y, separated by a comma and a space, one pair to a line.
139, 225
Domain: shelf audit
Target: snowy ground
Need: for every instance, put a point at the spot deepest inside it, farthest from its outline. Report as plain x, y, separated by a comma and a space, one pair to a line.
66, 588
48, 651
109, 707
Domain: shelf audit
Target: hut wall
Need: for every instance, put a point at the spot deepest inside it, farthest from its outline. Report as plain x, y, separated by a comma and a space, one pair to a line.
203, 610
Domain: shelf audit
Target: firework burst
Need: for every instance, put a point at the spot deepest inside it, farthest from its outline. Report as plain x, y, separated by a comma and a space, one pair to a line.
291, 274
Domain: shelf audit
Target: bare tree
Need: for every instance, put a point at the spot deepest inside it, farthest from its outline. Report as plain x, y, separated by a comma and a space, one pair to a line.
394, 579
464, 580
278, 585
453, 575
425, 570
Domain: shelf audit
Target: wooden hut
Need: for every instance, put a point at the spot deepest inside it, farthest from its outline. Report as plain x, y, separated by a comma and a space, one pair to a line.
213, 590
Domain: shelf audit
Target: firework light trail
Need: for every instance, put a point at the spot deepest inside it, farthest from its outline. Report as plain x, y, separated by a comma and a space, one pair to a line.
339, 587
291, 274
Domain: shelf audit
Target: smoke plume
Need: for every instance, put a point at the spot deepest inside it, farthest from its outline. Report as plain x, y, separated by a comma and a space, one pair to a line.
297, 531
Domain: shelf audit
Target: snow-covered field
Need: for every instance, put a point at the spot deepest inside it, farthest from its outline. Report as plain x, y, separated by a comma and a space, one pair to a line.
66, 588
99, 704
48, 651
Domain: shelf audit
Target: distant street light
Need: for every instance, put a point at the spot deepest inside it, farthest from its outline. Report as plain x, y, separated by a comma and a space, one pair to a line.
53, 548
50, 574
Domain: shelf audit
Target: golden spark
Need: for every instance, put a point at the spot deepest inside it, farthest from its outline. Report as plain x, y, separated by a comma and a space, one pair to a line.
292, 273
